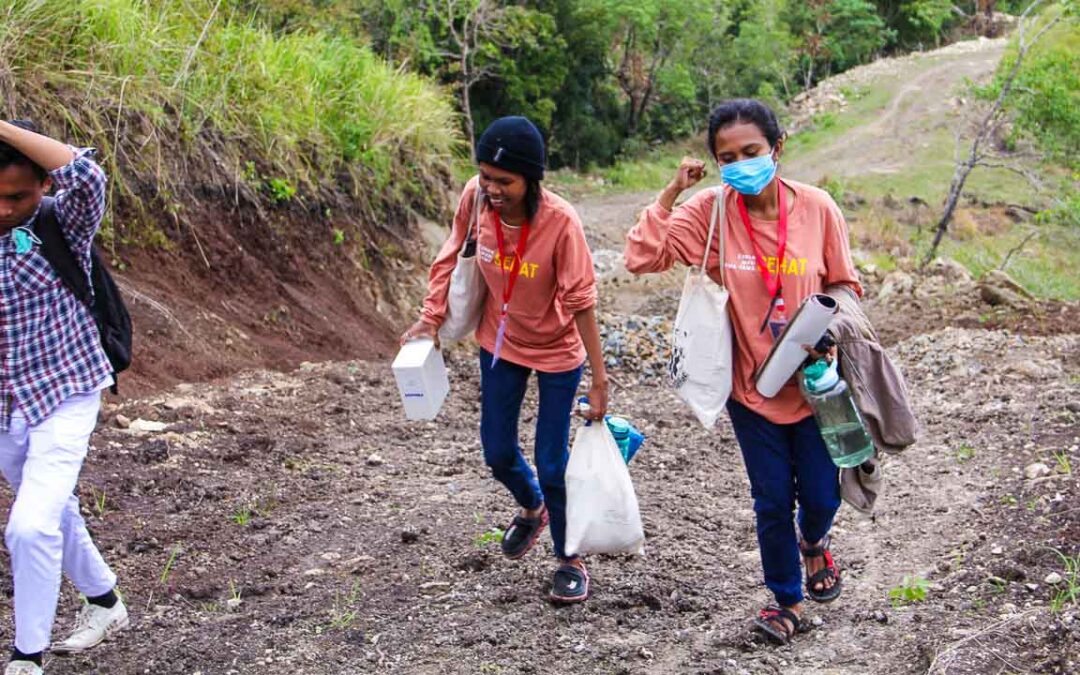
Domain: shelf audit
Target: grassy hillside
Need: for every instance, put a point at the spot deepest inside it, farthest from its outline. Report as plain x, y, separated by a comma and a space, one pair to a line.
189, 98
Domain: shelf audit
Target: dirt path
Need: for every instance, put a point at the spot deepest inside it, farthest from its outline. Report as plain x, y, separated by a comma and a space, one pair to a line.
927, 96
349, 541
296, 523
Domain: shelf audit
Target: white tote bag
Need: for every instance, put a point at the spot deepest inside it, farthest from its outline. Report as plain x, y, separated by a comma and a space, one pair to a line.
700, 366
601, 508
465, 299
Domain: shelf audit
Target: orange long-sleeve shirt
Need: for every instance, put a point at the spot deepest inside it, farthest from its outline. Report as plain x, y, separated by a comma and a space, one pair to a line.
817, 256
556, 281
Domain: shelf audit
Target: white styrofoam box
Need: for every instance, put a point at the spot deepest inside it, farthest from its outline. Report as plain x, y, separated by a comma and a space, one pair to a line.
421, 379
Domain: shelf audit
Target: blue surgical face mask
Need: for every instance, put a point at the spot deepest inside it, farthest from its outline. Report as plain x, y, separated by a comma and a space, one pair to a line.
749, 176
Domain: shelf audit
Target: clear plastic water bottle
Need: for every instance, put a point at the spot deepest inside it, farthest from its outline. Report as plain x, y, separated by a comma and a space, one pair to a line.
778, 319
841, 425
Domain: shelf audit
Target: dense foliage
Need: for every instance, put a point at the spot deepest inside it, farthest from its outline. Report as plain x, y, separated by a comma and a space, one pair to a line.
605, 78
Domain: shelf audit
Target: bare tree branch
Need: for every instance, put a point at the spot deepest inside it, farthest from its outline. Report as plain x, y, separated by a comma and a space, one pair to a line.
992, 120
1016, 249
1019, 170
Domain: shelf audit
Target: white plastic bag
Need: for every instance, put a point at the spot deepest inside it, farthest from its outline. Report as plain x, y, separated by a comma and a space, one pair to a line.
465, 298
601, 508
700, 368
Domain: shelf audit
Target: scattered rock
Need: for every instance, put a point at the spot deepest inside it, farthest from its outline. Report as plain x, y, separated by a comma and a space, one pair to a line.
374, 459
645, 654
152, 451
880, 616
1036, 470
817, 622
896, 283
1053, 579
233, 604
141, 426
409, 536
121, 422
950, 269
1032, 587
998, 288
1037, 369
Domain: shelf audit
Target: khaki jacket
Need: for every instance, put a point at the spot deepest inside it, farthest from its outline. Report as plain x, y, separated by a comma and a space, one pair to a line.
880, 394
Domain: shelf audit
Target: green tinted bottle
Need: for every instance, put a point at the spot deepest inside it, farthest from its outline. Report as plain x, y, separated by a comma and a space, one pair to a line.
841, 425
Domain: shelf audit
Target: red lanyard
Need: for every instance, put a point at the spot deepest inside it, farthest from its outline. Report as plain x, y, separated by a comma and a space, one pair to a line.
771, 285
515, 264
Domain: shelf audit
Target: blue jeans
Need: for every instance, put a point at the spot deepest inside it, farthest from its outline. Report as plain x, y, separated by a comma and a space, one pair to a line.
786, 463
502, 390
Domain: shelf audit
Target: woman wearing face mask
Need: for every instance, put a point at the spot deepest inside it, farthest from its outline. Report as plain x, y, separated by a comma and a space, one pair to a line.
539, 316
783, 241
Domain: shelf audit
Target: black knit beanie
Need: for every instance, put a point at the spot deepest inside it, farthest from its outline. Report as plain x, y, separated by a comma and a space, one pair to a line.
513, 144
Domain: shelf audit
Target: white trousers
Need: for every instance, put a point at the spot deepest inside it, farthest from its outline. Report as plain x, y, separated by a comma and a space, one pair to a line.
45, 532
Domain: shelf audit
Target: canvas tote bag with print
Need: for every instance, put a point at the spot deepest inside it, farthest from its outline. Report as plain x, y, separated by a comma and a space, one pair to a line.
465, 299
700, 367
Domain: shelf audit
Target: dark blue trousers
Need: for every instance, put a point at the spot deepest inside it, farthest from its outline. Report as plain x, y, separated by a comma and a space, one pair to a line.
502, 390
787, 463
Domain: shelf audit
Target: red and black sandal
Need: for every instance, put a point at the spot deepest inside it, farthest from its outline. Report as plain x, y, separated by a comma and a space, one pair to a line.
829, 572
773, 622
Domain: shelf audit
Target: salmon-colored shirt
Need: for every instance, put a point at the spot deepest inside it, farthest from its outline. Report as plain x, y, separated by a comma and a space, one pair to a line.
555, 282
817, 256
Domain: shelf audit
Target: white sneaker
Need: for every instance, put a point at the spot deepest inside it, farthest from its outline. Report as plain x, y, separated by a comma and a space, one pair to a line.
93, 625
23, 668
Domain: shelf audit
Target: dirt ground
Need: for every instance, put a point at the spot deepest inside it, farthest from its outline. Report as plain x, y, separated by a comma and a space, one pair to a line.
294, 522
928, 99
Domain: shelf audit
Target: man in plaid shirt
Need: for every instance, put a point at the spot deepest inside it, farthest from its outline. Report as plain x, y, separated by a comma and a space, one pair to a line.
52, 371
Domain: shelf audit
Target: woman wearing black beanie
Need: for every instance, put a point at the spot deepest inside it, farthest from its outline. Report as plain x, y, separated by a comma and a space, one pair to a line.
539, 315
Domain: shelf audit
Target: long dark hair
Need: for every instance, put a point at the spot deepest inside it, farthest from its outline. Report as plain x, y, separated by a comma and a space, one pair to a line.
533, 194
744, 110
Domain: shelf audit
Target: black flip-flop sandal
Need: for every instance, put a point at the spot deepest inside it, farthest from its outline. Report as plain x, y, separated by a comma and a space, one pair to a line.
770, 622
522, 534
829, 572
570, 584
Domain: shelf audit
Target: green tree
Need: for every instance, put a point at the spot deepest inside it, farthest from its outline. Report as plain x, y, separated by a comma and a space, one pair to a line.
835, 35
644, 38
498, 56
586, 126
763, 51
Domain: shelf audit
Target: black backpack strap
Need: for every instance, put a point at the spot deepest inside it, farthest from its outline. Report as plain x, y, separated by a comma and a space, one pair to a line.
55, 248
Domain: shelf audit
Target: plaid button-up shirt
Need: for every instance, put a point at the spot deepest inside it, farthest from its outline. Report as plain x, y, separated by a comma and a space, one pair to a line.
49, 345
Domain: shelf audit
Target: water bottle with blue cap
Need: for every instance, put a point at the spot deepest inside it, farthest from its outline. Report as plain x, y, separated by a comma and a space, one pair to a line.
627, 437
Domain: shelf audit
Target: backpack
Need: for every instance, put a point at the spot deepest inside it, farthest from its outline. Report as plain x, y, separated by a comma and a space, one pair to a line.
106, 306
